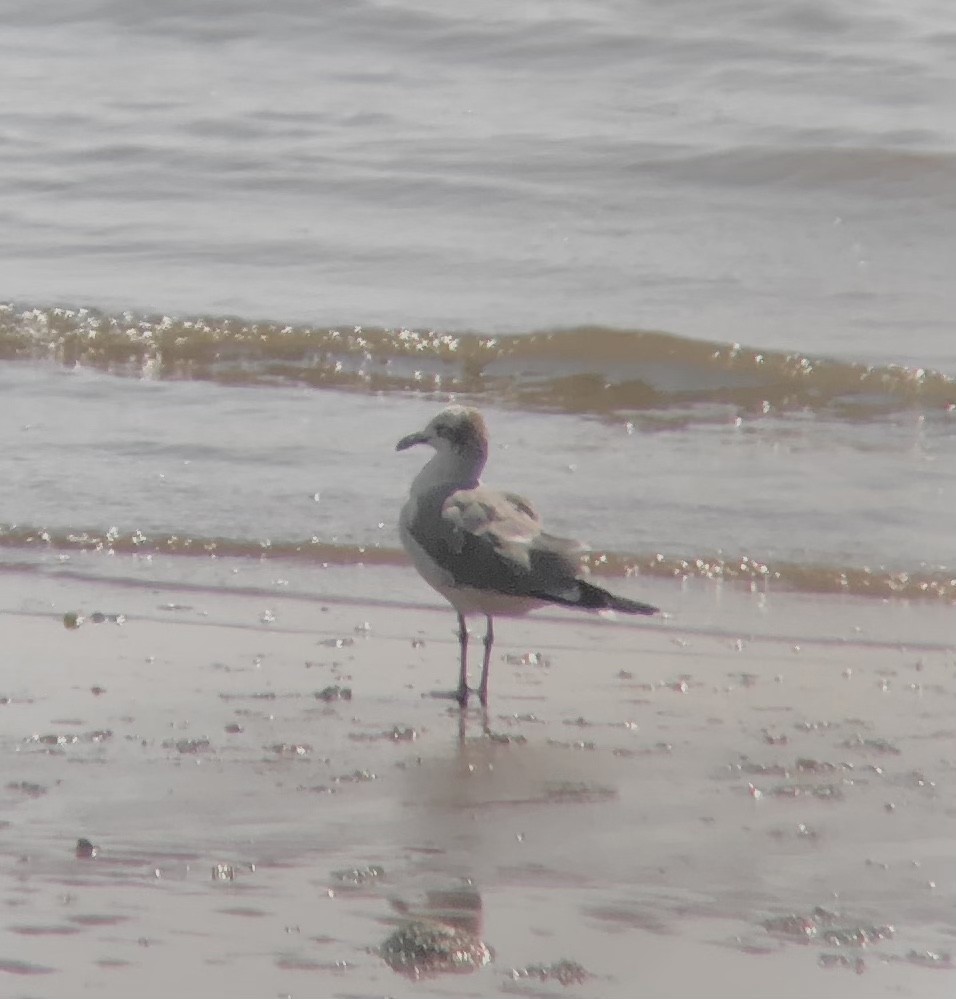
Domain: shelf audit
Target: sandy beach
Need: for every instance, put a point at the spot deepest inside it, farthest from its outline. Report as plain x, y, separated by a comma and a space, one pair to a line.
704, 806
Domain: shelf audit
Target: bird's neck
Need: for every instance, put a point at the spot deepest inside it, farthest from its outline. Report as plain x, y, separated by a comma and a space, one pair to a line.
449, 468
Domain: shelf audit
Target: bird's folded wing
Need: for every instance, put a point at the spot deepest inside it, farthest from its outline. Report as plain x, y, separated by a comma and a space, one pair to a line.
493, 541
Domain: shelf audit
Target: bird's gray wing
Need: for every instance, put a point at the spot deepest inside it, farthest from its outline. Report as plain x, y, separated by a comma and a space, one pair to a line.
519, 503
493, 541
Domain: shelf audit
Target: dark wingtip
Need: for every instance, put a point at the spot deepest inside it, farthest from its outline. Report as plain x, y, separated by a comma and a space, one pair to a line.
587, 596
597, 598
631, 606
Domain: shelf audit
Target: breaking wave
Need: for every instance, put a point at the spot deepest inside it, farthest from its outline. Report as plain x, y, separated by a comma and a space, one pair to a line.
586, 370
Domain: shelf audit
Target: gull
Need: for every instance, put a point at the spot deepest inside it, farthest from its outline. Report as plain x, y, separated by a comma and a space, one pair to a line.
485, 551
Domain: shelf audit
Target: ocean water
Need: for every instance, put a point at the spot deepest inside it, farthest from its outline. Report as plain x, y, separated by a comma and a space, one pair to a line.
693, 260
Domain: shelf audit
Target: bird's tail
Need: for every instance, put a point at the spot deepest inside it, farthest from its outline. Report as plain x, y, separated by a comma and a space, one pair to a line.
587, 596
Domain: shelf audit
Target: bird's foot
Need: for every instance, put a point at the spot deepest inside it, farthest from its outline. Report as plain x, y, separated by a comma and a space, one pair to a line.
461, 696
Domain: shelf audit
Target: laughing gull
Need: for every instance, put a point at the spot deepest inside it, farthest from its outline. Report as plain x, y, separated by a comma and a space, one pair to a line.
484, 551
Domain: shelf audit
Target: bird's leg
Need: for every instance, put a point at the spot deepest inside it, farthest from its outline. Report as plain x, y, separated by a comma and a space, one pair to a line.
462, 693
483, 686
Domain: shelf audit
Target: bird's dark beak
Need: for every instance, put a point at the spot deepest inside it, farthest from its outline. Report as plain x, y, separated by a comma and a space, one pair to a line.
411, 440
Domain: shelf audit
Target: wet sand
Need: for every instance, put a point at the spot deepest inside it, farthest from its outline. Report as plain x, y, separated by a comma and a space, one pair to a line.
751, 798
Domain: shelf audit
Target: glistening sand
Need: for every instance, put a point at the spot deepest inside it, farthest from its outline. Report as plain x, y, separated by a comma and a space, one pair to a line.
710, 805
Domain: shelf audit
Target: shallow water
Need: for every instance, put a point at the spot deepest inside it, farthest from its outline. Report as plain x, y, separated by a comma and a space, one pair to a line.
695, 269
146, 467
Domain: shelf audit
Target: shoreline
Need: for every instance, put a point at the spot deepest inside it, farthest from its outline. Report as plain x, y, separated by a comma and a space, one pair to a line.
933, 585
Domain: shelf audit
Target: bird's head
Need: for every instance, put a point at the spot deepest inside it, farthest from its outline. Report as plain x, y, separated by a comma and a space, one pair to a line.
457, 431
